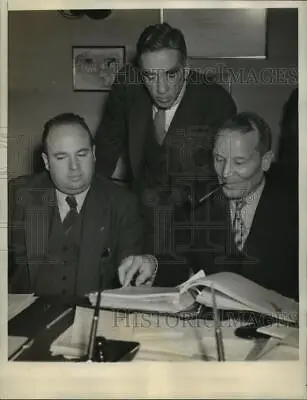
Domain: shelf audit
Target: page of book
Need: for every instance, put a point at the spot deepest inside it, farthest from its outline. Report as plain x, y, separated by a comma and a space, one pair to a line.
153, 299
255, 297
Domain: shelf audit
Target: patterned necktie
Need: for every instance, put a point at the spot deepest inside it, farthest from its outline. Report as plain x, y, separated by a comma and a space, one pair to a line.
72, 214
238, 224
159, 124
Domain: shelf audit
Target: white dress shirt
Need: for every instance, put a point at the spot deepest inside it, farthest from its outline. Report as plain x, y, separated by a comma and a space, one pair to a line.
63, 205
248, 210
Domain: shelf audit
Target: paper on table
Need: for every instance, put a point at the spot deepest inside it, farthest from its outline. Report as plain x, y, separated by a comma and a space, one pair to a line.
161, 348
252, 295
64, 345
161, 337
280, 352
15, 343
287, 334
19, 302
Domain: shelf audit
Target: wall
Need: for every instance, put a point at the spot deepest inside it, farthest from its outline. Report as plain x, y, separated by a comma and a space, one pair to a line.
40, 71
276, 75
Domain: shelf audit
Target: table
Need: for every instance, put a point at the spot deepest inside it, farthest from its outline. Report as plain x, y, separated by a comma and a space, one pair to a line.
162, 338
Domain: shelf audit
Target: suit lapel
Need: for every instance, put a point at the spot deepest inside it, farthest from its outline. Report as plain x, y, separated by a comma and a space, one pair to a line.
257, 234
139, 122
184, 115
95, 230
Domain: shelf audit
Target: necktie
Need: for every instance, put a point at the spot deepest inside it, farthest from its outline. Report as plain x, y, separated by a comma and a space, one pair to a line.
159, 124
72, 214
238, 224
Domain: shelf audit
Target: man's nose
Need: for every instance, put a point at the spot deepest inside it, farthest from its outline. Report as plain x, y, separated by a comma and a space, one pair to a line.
162, 85
73, 163
227, 169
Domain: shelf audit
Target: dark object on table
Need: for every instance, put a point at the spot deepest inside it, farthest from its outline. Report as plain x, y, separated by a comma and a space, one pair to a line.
250, 332
114, 350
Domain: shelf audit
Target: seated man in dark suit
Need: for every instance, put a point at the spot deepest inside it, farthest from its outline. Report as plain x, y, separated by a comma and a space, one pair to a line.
249, 226
67, 225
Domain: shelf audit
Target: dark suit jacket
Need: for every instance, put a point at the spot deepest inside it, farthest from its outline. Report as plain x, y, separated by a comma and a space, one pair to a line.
128, 112
110, 220
270, 253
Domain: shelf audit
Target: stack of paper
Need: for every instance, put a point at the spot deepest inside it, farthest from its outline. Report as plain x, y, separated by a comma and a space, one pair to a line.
233, 292
162, 338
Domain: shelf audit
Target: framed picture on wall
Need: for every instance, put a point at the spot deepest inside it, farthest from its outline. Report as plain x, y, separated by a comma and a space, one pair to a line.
95, 67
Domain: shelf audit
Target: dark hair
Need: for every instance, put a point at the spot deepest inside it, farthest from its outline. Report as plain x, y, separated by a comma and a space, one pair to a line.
161, 36
64, 119
246, 122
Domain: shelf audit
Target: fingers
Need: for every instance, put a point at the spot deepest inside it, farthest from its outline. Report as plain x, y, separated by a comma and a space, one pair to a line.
123, 268
128, 269
135, 266
143, 266
146, 271
144, 274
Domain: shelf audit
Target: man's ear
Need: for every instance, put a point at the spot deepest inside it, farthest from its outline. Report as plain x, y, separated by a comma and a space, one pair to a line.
266, 161
46, 161
94, 152
186, 72
186, 68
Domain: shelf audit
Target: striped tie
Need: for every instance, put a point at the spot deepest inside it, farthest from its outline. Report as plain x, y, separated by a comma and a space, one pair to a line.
238, 224
72, 214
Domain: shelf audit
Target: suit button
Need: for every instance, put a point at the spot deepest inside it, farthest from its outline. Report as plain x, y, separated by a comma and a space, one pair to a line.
64, 277
65, 248
64, 291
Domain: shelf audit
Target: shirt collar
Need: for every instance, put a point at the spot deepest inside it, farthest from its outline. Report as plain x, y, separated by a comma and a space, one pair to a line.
253, 197
61, 198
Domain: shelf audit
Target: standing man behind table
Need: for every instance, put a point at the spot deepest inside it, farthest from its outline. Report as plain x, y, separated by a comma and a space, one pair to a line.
252, 223
161, 117
67, 225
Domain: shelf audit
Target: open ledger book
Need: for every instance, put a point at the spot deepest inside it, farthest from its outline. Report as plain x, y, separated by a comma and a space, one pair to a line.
233, 292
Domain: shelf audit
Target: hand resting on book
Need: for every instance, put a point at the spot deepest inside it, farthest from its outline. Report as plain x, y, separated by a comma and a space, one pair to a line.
140, 269
233, 292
